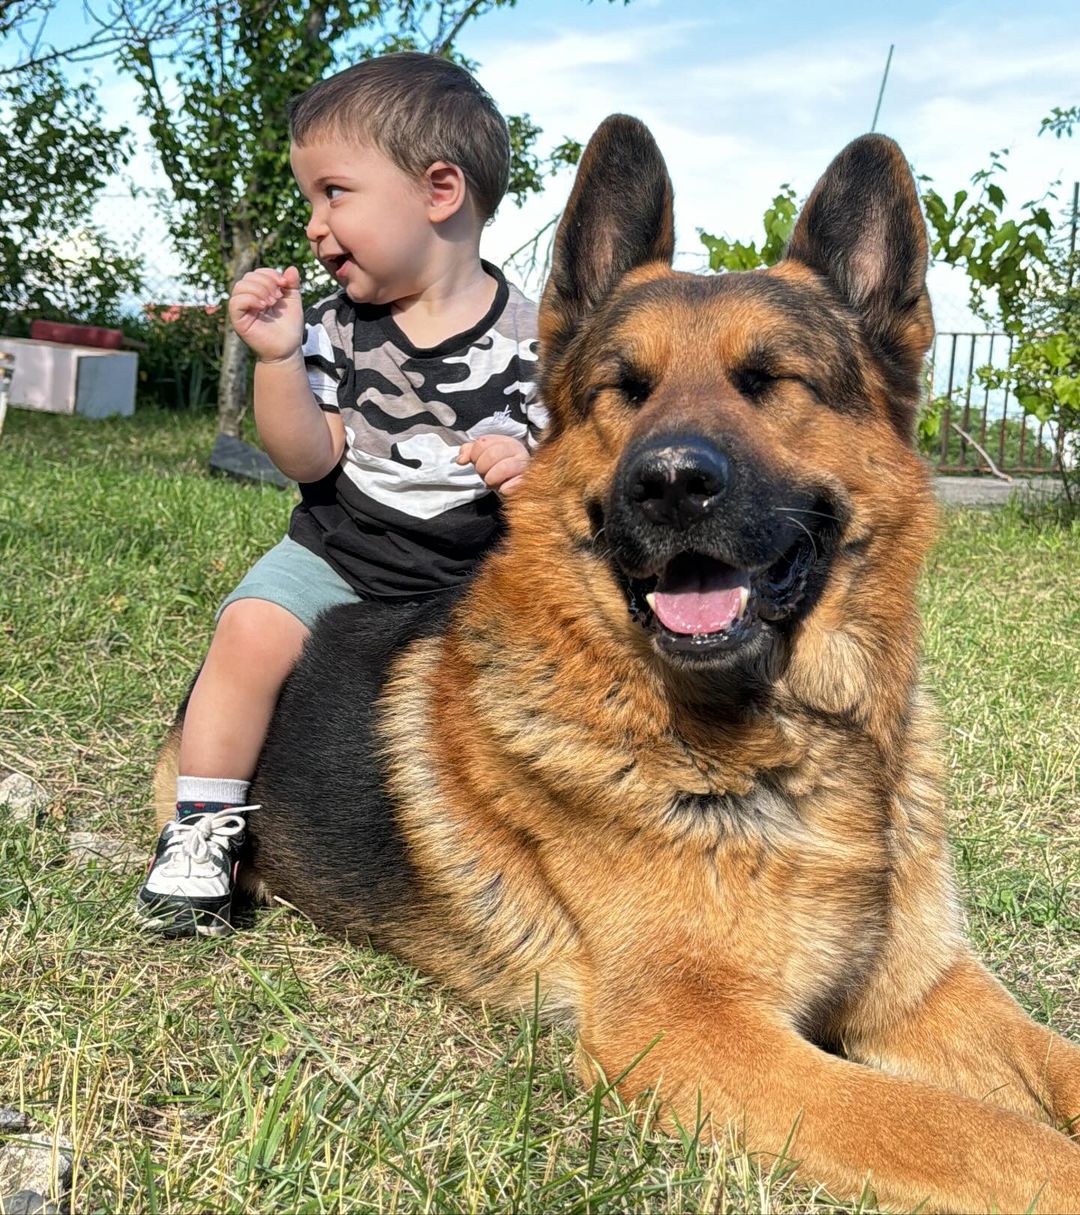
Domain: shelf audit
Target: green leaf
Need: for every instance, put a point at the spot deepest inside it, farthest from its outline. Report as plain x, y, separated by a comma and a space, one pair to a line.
1037, 405
725, 254
55, 158
1058, 350
1067, 390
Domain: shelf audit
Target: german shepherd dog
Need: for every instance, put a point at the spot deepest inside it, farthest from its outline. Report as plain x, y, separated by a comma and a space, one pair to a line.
668, 750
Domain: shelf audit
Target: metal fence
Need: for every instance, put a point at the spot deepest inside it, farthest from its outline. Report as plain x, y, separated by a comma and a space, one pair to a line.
983, 429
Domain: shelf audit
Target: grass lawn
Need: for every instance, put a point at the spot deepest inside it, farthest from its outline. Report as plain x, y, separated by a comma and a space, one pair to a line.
280, 1071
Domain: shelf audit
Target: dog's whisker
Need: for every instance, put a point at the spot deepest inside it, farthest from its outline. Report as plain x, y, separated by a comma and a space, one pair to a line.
798, 510
813, 542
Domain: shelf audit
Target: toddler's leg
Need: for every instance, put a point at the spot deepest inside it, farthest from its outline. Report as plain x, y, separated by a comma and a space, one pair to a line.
189, 886
255, 646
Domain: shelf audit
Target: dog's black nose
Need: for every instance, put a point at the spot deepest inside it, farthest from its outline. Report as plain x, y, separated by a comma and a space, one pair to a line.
676, 483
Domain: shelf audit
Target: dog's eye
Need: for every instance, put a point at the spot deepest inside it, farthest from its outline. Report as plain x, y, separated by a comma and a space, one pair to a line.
752, 382
635, 388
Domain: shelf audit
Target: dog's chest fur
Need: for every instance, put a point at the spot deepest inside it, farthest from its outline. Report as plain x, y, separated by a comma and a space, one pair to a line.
782, 878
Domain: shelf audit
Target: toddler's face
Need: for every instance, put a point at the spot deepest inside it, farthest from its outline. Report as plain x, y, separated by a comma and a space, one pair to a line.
369, 223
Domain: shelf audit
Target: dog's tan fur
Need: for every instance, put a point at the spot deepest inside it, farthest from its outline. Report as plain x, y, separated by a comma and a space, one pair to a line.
796, 957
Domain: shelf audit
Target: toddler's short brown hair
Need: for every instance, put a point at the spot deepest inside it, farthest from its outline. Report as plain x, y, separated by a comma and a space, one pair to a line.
416, 109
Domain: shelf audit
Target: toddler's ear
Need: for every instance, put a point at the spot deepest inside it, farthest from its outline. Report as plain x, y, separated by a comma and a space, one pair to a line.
446, 190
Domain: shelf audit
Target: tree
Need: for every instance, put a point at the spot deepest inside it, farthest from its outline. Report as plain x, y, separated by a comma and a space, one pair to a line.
1001, 256
215, 77
225, 148
1044, 369
54, 160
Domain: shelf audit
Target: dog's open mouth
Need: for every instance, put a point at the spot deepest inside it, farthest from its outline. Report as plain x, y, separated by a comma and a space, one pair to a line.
697, 603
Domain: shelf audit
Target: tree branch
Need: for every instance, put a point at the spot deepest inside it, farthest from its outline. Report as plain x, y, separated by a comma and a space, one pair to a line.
167, 145
982, 452
150, 23
104, 42
443, 41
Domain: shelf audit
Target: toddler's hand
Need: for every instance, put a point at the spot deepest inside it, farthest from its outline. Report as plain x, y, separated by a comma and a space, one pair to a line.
499, 459
265, 310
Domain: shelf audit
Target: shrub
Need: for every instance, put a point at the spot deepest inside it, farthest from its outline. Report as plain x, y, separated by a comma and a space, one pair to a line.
181, 359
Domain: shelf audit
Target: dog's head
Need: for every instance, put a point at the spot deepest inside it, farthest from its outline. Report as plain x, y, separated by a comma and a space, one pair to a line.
737, 449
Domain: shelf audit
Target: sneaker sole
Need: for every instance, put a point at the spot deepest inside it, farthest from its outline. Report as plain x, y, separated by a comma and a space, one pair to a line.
184, 921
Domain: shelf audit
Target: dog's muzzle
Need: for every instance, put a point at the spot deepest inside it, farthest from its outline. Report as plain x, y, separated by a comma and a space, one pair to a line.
710, 547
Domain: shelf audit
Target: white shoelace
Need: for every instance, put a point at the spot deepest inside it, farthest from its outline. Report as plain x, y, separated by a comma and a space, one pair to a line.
202, 838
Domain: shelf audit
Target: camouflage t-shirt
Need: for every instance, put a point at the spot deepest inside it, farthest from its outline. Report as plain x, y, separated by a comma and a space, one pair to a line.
398, 518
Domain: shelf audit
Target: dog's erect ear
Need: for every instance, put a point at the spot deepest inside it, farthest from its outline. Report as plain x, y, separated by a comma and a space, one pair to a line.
862, 228
619, 216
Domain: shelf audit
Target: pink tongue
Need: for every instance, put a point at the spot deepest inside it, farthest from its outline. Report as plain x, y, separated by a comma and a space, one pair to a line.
697, 611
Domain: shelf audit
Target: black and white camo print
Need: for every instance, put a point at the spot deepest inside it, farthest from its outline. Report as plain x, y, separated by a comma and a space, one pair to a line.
401, 518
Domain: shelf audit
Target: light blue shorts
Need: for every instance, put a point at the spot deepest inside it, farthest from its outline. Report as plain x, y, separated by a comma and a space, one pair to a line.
296, 579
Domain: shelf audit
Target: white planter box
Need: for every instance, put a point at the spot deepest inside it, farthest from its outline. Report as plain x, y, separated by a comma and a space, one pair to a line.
72, 379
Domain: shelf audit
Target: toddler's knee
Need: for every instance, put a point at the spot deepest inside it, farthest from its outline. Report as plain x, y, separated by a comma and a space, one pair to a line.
255, 629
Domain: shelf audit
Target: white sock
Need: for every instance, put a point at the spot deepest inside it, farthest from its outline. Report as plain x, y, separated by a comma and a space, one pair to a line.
212, 789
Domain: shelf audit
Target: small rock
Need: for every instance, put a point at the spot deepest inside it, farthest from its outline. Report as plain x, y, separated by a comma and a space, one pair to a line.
27, 1202
29, 1163
13, 1121
106, 852
26, 801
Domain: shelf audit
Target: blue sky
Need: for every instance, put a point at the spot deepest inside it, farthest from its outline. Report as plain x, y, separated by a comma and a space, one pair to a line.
743, 97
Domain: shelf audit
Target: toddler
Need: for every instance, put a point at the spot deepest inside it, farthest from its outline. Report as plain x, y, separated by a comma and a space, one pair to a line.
404, 405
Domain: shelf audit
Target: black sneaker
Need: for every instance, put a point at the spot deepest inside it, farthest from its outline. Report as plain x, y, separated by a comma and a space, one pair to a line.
189, 886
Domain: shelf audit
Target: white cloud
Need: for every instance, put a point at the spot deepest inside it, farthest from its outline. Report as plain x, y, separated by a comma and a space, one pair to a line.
734, 123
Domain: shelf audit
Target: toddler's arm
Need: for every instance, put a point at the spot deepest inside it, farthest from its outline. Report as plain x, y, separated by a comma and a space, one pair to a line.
265, 310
